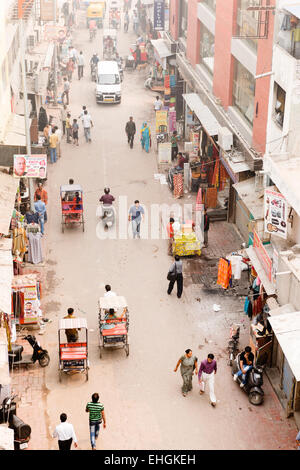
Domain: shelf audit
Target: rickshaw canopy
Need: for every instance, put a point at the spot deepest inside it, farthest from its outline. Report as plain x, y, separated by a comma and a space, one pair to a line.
70, 323
68, 188
115, 302
110, 32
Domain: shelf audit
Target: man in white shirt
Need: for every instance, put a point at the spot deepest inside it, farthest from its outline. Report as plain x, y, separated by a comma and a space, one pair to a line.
65, 434
158, 104
109, 292
81, 64
87, 124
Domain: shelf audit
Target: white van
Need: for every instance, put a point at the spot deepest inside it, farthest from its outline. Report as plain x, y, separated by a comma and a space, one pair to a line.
108, 88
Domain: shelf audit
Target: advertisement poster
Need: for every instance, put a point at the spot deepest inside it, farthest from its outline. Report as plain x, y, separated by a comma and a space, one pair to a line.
275, 213
161, 120
172, 121
54, 32
164, 152
30, 166
159, 15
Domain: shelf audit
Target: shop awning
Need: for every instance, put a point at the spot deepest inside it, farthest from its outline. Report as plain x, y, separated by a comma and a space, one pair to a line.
268, 285
161, 47
253, 200
286, 328
203, 113
8, 190
293, 9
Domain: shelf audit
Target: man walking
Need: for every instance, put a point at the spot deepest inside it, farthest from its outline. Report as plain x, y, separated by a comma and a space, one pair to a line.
53, 141
68, 128
66, 90
65, 434
175, 273
64, 114
87, 124
96, 415
207, 371
136, 215
206, 227
130, 130
80, 65
40, 208
158, 104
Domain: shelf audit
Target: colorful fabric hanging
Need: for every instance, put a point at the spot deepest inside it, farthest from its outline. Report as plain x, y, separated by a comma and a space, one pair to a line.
216, 177
224, 273
178, 185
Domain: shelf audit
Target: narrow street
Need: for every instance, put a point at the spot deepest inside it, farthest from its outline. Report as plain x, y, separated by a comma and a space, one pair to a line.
141, 393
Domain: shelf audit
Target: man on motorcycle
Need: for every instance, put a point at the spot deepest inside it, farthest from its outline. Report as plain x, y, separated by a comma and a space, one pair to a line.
94, 61
92, 29
107, 198
246, 364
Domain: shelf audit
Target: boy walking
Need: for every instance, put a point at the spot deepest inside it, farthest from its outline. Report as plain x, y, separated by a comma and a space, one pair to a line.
96, 415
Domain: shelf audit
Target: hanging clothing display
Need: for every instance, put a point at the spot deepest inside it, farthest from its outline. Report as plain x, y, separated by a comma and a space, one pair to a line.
35, 254
224, 273
19, 241
178, 185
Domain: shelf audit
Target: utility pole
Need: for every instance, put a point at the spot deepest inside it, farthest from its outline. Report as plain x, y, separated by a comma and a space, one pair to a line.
55, 54
25, 96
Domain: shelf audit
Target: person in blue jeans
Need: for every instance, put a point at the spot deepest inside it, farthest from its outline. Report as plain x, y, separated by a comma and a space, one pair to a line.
246, 364
96, 415
53, 141
40, 208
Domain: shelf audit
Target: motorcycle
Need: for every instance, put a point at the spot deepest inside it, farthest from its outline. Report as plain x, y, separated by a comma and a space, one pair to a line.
92, 34
233, 343
39, 354
253, 386
22, 431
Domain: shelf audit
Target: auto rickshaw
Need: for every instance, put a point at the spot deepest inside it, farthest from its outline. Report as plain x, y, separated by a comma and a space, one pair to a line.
95, 11
73, 356
109, 43
113, 323
71, 205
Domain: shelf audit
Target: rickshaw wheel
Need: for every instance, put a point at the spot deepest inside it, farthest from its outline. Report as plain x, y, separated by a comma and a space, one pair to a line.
100, 352
87, 375
62, 227
60, 376
127, 349
82, 224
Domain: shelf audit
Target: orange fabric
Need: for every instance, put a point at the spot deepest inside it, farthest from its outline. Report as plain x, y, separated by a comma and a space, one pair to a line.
224, 273
170, 230
216, 180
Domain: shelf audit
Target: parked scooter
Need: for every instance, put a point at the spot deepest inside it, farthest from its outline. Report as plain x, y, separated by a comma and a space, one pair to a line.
22, 431
253, 386
233, 343
39, 354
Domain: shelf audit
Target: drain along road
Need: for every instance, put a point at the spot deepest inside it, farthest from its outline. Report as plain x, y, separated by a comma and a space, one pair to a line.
141, 394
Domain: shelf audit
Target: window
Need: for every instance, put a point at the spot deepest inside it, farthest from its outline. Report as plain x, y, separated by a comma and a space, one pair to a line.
243, 91
183, 18
108, 79
210, 3
247, 22
207, 48
288, 36
279, 104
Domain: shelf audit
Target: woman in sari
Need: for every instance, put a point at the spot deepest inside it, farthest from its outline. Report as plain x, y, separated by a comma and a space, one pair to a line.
145, 137
188, 363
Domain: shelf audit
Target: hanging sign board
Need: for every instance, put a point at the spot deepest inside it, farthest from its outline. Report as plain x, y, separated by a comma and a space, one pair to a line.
161, 120
275, 213
164, 152
30, 166
159, 15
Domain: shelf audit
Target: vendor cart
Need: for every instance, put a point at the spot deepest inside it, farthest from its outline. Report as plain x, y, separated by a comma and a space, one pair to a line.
185, 241
71, 205
73, 356
109, 43
113, 328
115, 14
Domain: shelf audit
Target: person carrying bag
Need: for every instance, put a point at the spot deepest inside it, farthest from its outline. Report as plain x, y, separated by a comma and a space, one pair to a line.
175, 275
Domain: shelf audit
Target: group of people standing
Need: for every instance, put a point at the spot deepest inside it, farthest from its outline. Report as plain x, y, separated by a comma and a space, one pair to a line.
71, 127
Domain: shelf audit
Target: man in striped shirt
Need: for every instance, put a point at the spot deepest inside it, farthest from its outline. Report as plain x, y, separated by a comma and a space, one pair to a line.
96, 414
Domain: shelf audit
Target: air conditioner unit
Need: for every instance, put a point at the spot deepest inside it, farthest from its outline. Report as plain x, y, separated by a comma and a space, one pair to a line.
225, 138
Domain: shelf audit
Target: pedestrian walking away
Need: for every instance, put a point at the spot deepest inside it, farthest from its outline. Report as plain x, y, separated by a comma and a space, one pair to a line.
207, 371
40, 208
175, 275
126, 22
81, 64
188, 364
65, 434
130, 130
96, 415
69, 128
136, 215
146, 137
87, 124
64, 113
70, 69
206, 227
75, 129
53, 141
66, 90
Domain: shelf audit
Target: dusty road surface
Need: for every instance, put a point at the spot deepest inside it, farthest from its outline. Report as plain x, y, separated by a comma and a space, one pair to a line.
141, 393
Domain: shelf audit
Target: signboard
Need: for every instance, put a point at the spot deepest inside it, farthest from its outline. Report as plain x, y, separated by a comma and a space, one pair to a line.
31, 305
30, 166
164, 152
47, 10
159, 15
172, 121
53, 32
275, 213
161, 119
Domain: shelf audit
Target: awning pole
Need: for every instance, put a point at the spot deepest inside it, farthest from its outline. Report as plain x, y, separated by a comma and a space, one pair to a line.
25, 97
